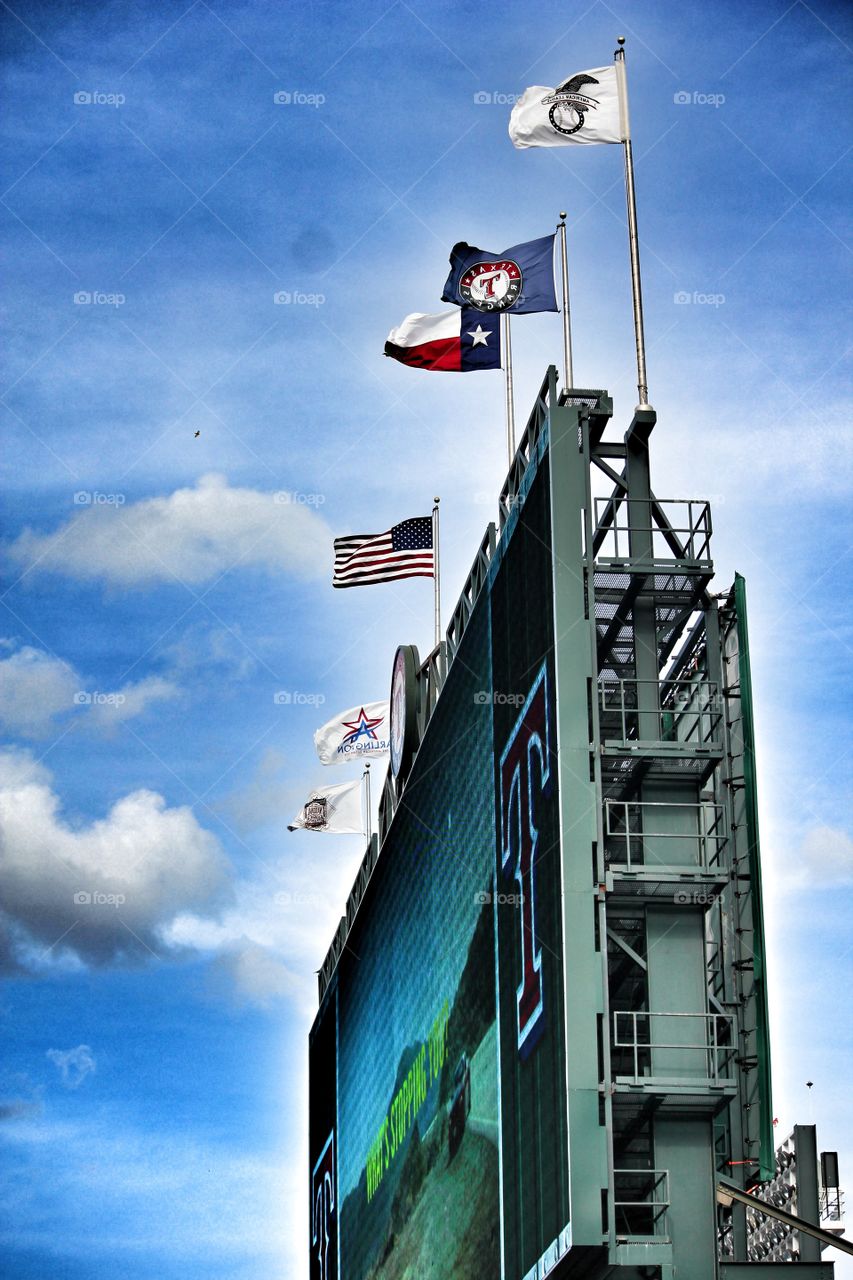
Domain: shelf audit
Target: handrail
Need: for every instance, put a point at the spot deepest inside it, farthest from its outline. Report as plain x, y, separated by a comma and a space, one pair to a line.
693, 545
709, 837
711, 1045
727, 1191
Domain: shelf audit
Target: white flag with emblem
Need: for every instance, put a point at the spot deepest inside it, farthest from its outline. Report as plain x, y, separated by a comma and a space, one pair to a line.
333, 809
584, 108
357, 734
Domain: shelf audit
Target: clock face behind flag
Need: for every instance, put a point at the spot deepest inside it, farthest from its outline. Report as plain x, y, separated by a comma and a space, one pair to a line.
404, 708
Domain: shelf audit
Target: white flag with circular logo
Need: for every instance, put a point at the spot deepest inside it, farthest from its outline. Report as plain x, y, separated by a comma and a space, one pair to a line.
334, 809
357, 734
584, 108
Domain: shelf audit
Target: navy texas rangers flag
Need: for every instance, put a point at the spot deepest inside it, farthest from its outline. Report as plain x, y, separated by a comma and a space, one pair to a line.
520, 280
458, 341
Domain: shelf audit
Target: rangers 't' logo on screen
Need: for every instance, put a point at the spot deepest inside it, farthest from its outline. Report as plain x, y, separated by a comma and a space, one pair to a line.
323, 1210
525, 771
491, 286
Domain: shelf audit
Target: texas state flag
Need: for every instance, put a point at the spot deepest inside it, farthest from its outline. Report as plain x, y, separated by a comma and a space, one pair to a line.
457, 341
519, 280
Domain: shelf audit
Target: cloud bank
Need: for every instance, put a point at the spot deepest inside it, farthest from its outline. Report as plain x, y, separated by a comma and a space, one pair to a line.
190, 536
101, 892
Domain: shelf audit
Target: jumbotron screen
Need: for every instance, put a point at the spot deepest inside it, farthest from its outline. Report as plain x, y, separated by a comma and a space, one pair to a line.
438, 1126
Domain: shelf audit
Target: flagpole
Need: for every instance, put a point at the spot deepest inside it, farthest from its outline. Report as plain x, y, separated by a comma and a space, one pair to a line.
567, 319
510, 403
368, 822
437, 574
633, 239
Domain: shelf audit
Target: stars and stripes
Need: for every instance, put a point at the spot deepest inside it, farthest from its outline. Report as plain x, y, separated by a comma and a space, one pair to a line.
404, 551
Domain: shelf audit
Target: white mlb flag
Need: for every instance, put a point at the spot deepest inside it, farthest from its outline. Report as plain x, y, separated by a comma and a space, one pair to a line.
333, 809
356, 734
584, 108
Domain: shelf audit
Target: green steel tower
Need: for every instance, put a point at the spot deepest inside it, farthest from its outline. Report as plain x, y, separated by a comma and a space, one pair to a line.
542, 1046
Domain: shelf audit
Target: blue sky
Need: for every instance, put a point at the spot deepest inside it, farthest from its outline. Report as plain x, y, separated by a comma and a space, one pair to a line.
154, 1086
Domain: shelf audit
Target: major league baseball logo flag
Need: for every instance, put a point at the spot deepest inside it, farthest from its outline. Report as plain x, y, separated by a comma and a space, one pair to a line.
458, 341
584, 108
356, 734
518, 281
336, 810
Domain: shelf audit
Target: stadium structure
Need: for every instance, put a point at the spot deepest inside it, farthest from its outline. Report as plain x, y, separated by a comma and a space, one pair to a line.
542, 1042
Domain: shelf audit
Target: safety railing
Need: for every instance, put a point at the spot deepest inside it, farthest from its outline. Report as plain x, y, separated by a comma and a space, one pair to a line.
674, 1048
653, 531
474, 584
658, 836
641, 1204
685, 713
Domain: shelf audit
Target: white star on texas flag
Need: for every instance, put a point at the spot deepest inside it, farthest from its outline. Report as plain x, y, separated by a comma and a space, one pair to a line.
480, 335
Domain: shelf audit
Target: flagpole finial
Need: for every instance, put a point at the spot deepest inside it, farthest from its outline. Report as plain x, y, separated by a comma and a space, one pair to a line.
562, 215
620, 39
436, 501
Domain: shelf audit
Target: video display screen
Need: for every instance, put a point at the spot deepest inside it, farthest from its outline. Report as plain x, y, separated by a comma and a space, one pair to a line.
438, 1126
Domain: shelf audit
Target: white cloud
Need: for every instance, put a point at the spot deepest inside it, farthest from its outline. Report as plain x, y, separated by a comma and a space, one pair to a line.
268, 796
191, 536
73, 1064
252, 973
827, 856
102, 891
34, 688
38, 689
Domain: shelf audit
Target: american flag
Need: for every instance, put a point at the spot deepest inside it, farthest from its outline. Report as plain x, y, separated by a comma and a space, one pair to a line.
405, 551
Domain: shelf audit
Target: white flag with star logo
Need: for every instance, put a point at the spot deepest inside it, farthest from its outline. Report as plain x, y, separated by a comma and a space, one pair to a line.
356, 734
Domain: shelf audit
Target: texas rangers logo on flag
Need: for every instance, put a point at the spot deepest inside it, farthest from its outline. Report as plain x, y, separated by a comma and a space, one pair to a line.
492, 286
519, 280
